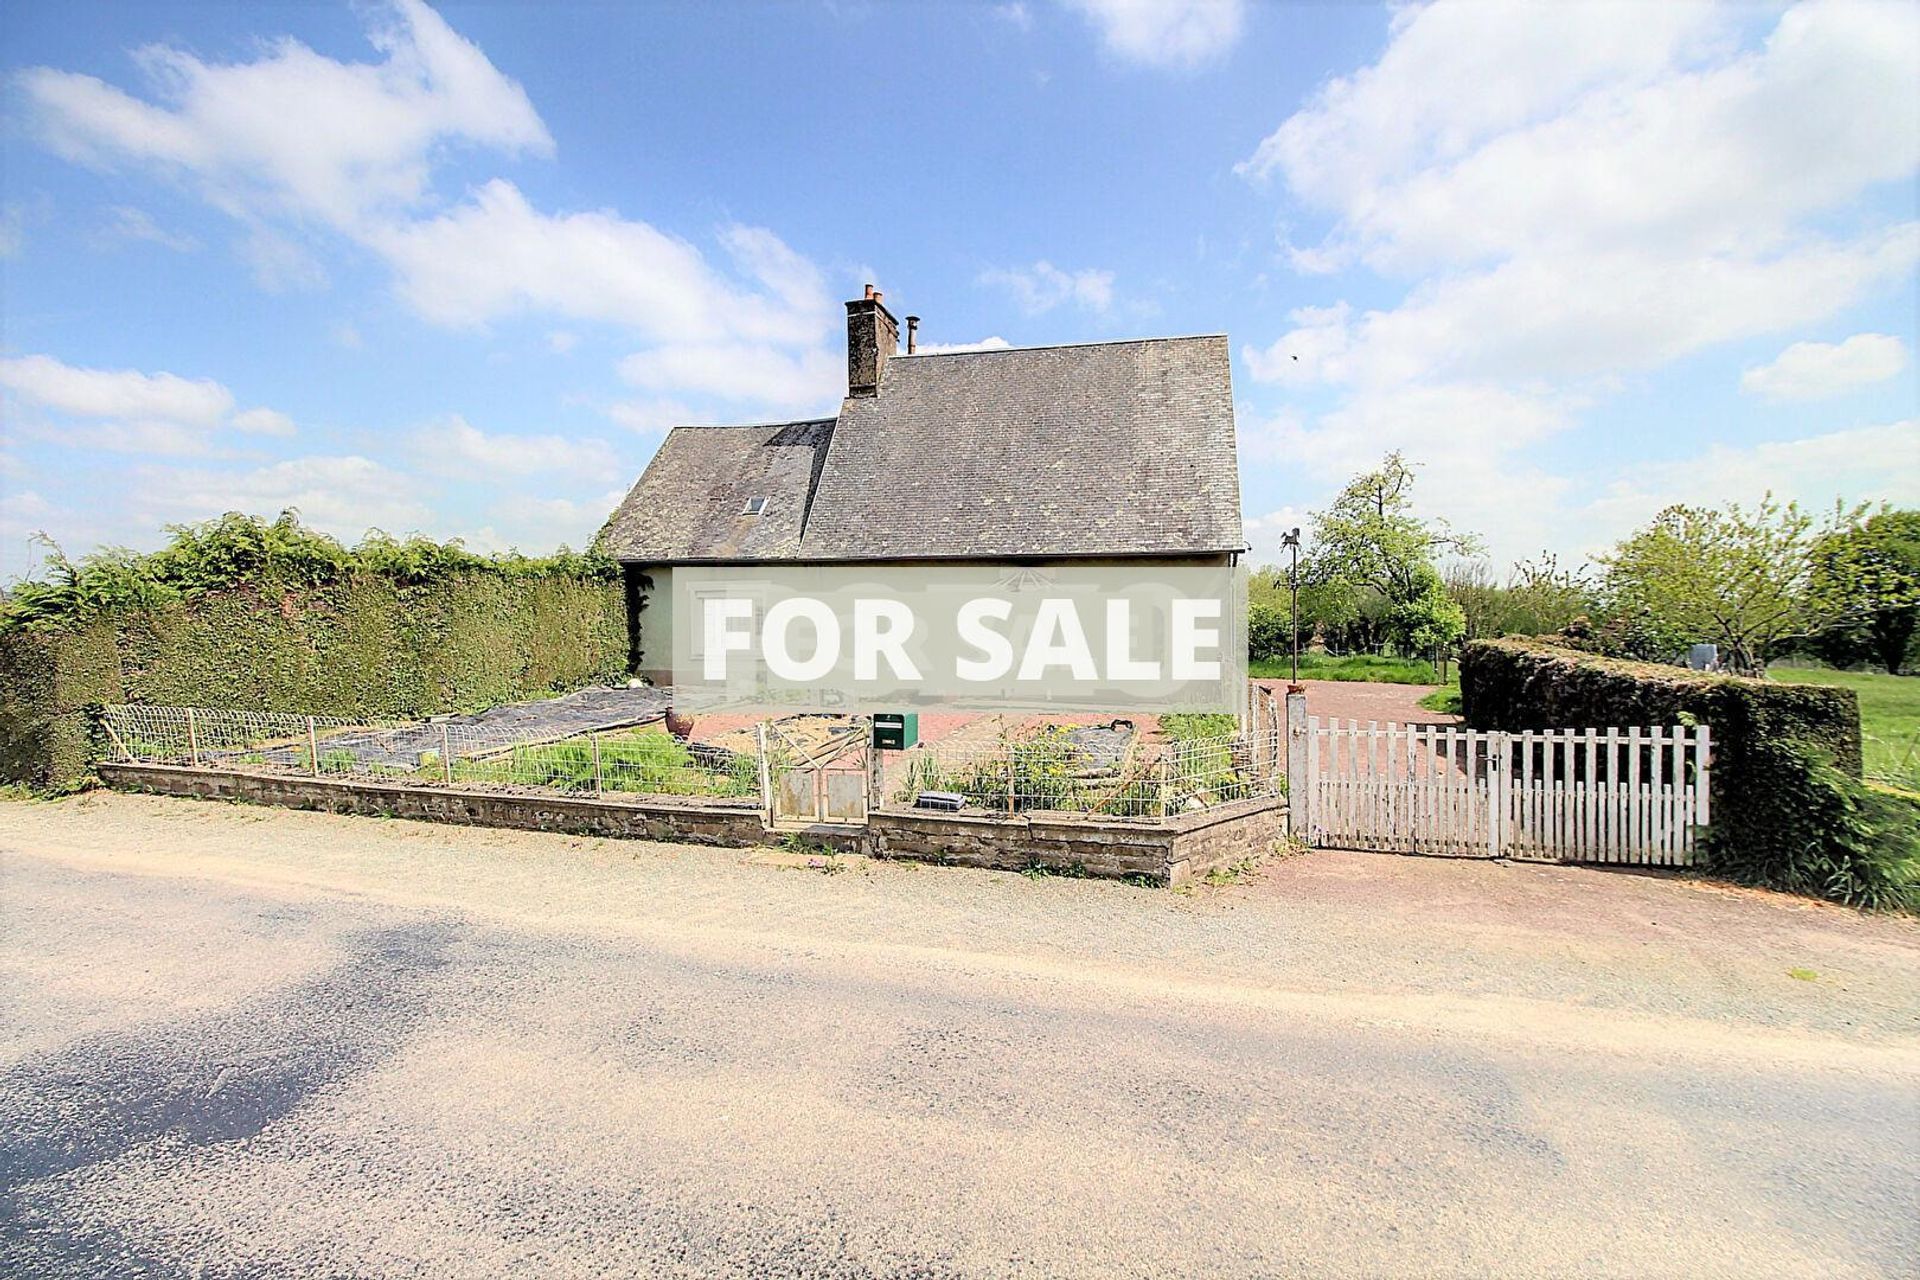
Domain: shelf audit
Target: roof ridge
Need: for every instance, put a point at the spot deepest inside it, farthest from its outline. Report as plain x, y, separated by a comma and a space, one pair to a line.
748, 426
1055, 346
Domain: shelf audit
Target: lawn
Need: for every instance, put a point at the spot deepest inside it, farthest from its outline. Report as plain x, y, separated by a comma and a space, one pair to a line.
1359, 666
1889, 718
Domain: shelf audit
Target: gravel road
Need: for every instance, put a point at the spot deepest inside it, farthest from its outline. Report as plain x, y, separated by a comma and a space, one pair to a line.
244, 1042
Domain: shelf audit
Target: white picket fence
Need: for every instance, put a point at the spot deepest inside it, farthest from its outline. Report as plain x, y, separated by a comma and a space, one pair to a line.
1635, 796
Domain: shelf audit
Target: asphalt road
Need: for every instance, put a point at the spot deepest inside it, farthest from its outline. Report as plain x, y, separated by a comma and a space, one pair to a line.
244, 1043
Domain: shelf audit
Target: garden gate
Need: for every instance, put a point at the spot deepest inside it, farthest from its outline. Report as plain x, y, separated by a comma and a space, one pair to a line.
828, 784
1624, 796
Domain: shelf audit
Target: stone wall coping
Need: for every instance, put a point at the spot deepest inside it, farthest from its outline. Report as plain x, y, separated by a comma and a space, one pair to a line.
691, 805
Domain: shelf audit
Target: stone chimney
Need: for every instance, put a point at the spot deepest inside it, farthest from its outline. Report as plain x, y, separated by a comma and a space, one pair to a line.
872, 336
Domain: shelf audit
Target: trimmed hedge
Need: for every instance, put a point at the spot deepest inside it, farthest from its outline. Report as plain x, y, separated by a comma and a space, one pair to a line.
363, 644
1779, 750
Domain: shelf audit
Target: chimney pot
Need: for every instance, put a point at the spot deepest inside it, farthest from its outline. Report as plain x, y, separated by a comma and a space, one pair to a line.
913, 330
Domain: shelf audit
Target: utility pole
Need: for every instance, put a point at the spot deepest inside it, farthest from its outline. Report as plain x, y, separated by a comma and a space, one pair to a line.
1291, 542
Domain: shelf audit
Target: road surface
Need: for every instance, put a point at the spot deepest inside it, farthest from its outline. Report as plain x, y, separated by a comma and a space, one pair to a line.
242, 1042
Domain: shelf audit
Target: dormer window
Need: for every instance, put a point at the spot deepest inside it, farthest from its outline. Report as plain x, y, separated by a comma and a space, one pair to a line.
754, 507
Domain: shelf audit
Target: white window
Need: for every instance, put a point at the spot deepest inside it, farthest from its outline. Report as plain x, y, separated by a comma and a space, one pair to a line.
754, 507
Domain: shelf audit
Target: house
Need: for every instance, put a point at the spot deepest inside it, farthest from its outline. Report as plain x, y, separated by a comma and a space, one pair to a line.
1114, 452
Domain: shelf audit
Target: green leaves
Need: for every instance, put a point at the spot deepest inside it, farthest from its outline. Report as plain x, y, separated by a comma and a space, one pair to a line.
239, 550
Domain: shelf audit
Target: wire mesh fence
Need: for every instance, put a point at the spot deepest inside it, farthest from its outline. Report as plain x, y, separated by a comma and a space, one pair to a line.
1052, 770
1056, 769
640, 759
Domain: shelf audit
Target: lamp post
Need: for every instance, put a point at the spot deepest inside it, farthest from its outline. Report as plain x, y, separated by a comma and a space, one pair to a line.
1291, 541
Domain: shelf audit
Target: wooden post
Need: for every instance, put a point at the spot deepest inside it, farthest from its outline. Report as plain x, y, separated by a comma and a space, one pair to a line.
313, 749
1298, 783
193, 740
598, 786
1009, 750
766, 771
446, 754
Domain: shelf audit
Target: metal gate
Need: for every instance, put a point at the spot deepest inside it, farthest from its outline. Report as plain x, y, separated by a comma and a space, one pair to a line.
1625, 796
828, 786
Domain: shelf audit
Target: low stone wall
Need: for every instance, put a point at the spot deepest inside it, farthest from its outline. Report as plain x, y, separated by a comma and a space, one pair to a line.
655, 818
1165, 852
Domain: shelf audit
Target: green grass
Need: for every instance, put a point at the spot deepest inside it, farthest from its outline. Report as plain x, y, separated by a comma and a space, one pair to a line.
1445, 700
1889, 718
1359, 666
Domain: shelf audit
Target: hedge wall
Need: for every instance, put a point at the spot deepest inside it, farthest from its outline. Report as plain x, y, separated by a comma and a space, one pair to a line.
1764, 734
363, 644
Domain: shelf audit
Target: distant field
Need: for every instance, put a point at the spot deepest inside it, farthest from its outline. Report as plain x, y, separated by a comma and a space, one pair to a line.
1322, 666
1889, 718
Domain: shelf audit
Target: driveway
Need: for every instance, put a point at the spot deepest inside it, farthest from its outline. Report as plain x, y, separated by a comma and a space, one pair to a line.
1365, 700
246, 1042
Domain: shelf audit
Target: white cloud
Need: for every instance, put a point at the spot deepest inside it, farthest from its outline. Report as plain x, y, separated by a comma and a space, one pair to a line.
292, 145
806, 381
263, 422
995, 343
293, 131
126, 410
1165, 33
279, 264
560, 342
115, 393
1547, 316
1862, 464
1577, 198
1817, 370
1043, 286
497, 255
127, 225
541, 525
1626, 141
455, 446
348, 336
344, 496
659, 414
1015, 13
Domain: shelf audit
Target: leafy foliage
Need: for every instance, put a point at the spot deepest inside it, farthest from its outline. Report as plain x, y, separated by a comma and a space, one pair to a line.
237, 550
1838, 840
1743, 579
1788, 807
1871, 572
271, 616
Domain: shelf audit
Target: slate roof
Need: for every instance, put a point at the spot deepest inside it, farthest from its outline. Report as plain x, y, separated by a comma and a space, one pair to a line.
689, 505
1113, 448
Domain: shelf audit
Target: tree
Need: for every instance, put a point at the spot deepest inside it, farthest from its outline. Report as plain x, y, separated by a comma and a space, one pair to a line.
1870, 571
1370, 541
1742, 579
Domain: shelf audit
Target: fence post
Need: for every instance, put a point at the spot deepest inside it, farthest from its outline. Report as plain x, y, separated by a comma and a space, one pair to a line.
446, 754
193, 740
766, 770
1299, 785
598, 786
1161, 787
1008, 747
313, 749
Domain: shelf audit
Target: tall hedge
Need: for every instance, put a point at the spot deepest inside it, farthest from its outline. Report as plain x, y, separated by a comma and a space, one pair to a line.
362, 644
1768, 739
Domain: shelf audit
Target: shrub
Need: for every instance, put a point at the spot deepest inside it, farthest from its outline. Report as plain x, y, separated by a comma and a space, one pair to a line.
1774, 811
1837, 839
271, 616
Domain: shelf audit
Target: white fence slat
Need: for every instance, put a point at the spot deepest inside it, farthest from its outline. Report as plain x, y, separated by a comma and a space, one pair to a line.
1618, 796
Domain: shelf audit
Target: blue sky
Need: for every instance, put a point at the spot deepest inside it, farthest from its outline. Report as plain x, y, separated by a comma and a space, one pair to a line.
456, 269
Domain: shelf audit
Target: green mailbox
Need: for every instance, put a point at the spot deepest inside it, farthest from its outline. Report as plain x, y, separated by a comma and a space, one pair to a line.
895, 730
